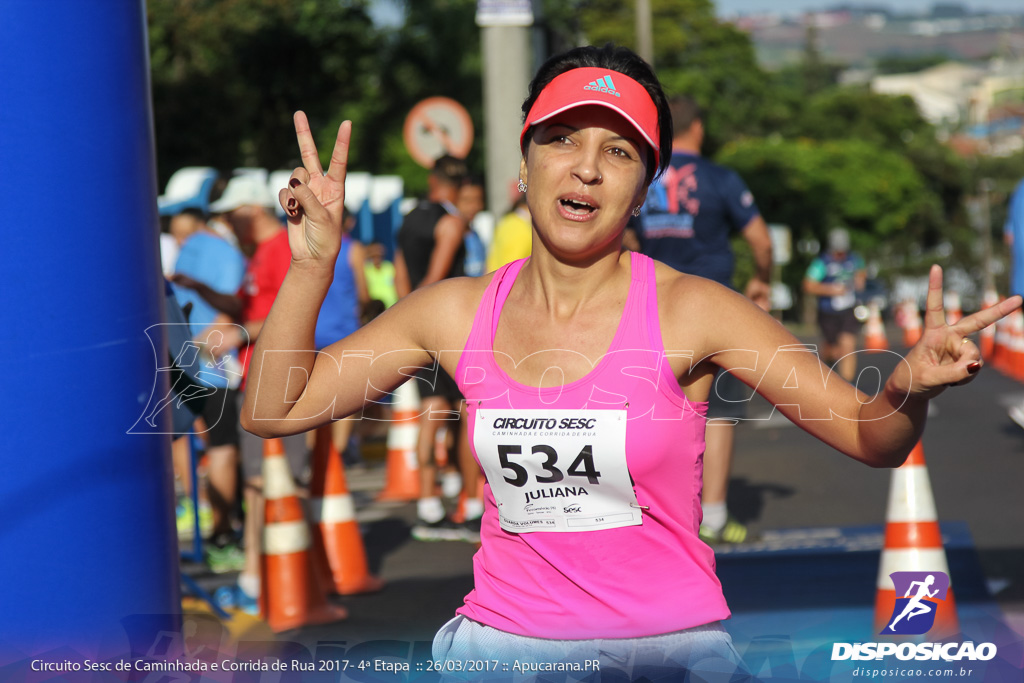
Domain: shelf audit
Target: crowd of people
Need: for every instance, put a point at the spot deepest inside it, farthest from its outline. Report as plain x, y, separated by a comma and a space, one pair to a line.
226, 266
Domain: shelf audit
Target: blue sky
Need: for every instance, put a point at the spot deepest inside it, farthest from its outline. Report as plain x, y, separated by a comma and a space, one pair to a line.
726, 7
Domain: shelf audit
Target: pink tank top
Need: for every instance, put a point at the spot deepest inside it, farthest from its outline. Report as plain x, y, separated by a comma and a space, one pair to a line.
592, 501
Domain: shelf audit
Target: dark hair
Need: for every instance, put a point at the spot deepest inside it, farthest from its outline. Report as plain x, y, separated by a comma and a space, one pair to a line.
685, 112
475, 180
450, 169
195, 213
370, 310
614, 58
347, 216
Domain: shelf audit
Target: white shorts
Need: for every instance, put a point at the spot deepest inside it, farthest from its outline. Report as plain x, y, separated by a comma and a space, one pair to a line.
466, 650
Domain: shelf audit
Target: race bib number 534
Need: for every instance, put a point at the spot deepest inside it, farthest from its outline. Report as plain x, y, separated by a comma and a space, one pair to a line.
557, 470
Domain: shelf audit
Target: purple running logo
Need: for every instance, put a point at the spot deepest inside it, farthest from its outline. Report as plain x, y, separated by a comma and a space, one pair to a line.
914, 613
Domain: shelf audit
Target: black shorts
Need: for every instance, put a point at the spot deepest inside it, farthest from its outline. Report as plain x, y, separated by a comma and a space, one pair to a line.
834, 324
729, 397
437, 382
220, 413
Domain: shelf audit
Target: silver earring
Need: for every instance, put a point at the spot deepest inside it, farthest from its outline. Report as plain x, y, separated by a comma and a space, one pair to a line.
521, 186
636, 212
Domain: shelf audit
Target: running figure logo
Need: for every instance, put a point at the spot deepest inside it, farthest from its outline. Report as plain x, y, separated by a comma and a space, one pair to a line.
914, 613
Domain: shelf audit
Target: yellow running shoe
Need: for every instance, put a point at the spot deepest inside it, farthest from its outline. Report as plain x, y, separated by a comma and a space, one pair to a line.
733, 532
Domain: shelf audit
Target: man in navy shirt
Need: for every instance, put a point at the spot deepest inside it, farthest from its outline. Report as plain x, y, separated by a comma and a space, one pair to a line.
691, 213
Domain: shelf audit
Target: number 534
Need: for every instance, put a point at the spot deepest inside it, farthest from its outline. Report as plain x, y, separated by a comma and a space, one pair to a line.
582, 466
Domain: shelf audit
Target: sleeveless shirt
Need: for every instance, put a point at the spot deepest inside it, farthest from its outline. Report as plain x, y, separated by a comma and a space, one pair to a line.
650, 577
416, 240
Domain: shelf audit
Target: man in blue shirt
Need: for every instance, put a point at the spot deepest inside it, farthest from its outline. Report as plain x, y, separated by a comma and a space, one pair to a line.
688, 220
697, 206
206, 262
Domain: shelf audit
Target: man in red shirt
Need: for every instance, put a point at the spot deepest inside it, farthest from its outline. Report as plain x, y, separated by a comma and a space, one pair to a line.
246, 206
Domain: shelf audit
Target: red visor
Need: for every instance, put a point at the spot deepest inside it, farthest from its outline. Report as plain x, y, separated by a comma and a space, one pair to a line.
603, 87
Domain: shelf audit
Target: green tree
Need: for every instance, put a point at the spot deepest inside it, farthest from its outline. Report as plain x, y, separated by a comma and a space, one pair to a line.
902, 64
890, 121
435, 52
814, 71
813, 186
227, 76
694, 54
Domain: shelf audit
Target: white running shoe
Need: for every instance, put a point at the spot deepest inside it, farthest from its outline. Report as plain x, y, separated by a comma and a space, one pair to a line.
451, 484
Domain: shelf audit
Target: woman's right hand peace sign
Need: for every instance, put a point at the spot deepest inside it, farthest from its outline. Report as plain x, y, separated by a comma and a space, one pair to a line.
945, 356
314, 200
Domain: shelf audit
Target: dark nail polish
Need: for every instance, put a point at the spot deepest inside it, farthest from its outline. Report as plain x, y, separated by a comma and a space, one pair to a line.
973, 367
294, 182
291, 203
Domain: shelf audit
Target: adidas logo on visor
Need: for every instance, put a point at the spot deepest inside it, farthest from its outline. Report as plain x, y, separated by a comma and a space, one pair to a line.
603, 85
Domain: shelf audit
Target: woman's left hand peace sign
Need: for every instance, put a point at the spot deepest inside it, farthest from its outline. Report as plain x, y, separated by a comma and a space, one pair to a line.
945, 356
314, 200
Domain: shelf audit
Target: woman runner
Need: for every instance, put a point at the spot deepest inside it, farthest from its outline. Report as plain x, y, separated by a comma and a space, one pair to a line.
586, 372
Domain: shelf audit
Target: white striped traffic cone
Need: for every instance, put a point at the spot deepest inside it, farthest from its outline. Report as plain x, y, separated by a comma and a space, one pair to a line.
290, 595
337, 540
951, 302
875, 338
402, 482
913, 543
912, 323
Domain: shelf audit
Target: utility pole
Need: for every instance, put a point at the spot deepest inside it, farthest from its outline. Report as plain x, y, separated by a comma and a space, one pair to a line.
505, 38
644, 37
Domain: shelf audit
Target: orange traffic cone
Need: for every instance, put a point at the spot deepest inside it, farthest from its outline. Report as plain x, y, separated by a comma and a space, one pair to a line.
912, 323
951, 302
875, 338
291, 595
403, 472
336, 536
987, 336
913, 543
